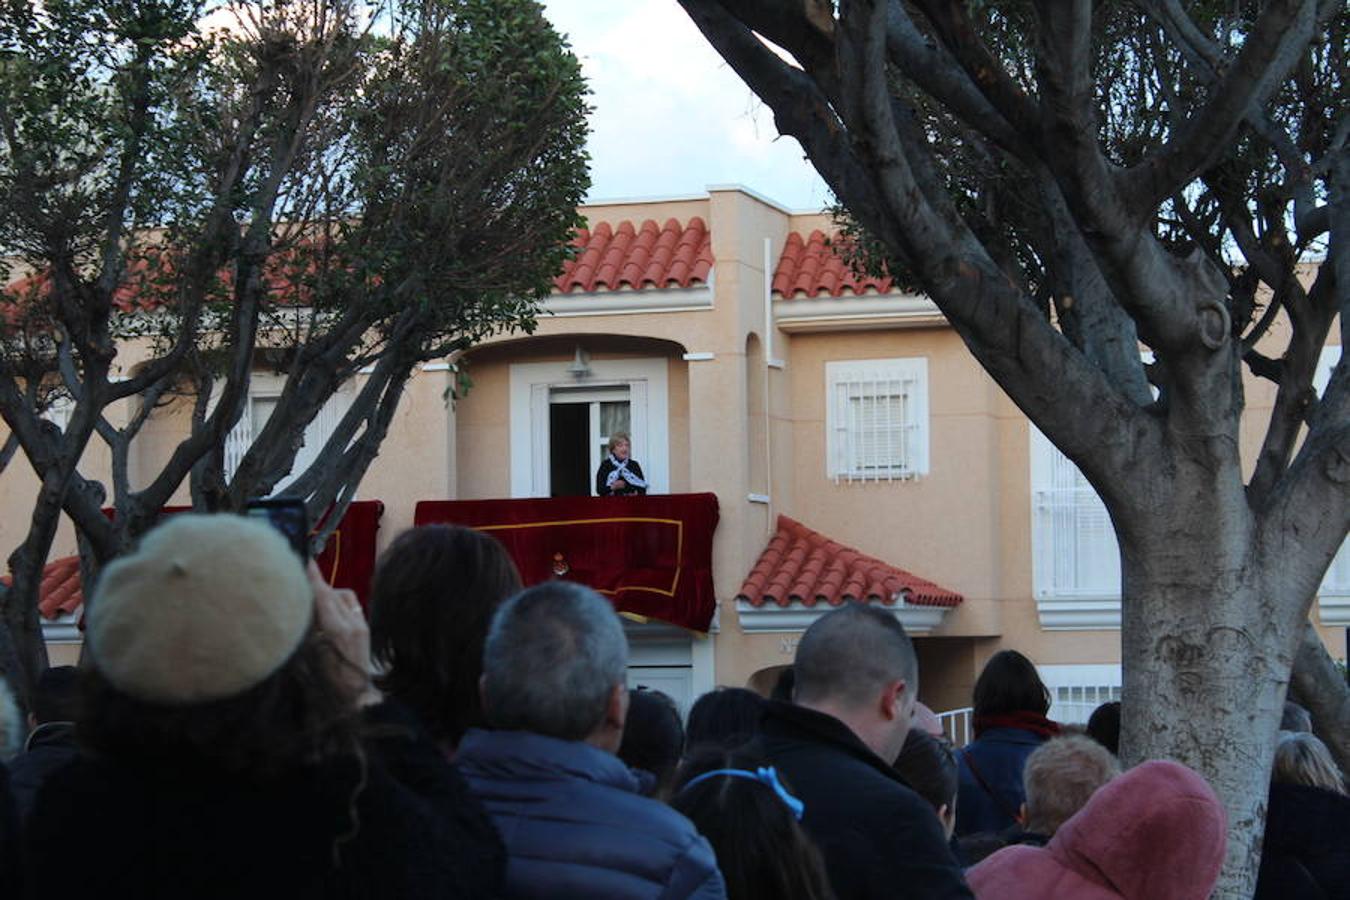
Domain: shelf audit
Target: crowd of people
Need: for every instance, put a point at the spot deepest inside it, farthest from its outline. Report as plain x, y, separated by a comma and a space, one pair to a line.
241, 731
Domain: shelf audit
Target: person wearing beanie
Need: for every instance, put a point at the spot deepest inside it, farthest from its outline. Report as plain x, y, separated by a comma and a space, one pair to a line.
221, 741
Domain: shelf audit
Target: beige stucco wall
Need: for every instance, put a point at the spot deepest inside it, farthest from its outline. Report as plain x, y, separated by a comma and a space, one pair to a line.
965, 525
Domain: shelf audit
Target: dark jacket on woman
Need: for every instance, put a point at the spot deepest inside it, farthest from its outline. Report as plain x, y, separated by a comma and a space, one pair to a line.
602, 475
49, 747
342, 828
1306, 853
990, 791
879, 838
575, 825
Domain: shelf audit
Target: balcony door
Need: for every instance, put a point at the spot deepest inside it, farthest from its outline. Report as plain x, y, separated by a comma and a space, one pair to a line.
580, 423
559, 427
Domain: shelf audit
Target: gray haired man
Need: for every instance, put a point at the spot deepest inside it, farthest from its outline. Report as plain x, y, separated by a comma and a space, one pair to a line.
574, 824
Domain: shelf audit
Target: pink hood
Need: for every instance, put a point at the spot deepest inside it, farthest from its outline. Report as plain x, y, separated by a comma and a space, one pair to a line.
1157, 832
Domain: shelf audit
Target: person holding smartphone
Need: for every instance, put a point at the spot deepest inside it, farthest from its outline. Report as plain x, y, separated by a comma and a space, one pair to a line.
226, 753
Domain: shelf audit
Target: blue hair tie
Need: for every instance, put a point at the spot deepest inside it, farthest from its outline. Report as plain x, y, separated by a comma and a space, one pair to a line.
766, 775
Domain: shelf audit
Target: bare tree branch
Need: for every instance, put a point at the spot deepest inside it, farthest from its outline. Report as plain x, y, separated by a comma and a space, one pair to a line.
1267, 55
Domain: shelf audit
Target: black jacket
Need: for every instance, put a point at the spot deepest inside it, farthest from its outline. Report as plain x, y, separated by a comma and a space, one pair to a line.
12, 863
183, 831
879, 838
49, 747
602, 475
1306, 853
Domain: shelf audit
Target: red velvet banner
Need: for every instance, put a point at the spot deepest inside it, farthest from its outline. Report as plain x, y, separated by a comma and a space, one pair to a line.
650, 555
348, 559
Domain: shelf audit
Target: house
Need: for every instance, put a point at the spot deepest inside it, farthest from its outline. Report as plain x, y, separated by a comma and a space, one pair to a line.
854, 448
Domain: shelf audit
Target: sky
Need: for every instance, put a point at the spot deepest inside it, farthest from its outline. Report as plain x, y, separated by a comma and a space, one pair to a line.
670, 117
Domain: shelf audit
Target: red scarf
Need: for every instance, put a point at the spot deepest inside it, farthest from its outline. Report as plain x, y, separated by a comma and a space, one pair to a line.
1023, 719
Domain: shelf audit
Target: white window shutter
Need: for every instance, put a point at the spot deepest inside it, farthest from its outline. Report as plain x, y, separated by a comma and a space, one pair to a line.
876, 419
1074, 549
1336, 581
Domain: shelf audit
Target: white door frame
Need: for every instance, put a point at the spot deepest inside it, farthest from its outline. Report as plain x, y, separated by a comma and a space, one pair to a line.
531, 386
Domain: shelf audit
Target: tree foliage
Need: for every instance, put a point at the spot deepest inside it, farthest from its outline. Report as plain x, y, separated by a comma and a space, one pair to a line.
325, 189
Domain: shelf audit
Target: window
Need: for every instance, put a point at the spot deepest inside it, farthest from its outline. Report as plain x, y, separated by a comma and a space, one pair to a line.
580, 423
264, 394
876, 419
1075, 558
1336, 582
1075, 691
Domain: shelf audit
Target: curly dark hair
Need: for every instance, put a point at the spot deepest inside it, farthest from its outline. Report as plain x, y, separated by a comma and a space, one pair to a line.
296, 717
432, 600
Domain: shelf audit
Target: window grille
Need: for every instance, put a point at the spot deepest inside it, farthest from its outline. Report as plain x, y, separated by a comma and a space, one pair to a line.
1074, 704
1074, 545
1336, 581
877, 411
259, 410
1077, 690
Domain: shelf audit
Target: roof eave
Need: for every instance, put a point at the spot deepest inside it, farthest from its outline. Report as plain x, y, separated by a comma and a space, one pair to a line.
868, 313
796, 616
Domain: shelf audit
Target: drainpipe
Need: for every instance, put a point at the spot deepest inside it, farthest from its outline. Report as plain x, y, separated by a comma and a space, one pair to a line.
768, 355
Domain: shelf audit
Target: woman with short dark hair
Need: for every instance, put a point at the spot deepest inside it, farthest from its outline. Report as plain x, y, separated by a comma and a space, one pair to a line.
1010, 722
432, 599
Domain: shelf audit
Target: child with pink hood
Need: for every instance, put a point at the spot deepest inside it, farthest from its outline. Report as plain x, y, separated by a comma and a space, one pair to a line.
1157, 832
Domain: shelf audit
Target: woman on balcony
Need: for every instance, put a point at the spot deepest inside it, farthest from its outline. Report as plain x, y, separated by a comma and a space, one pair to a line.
619, 474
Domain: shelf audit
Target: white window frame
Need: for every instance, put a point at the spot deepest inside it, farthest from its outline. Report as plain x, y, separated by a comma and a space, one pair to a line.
263, 386
1076, 690
1333, 596
592, 398
531, 385
1059, 511
905, 444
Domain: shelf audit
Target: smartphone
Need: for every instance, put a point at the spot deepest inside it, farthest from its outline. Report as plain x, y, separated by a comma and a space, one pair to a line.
287, 515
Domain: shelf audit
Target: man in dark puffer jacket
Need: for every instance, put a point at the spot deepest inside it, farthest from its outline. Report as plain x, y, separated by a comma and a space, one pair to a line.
570, 813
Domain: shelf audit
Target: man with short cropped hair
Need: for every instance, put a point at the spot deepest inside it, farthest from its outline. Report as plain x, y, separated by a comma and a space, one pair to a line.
857, 681
570, 813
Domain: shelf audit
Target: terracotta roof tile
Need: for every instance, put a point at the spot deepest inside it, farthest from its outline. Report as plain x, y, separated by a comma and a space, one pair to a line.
635, 257
59, 593
149, 280
800, 565
811, 266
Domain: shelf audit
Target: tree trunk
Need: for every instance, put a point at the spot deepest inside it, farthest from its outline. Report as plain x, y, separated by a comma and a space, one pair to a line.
22, 623
11, 665
1206, 661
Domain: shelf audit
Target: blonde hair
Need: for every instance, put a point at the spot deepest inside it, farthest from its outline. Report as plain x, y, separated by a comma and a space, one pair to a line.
1301, 758
616, 437
1060, 776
